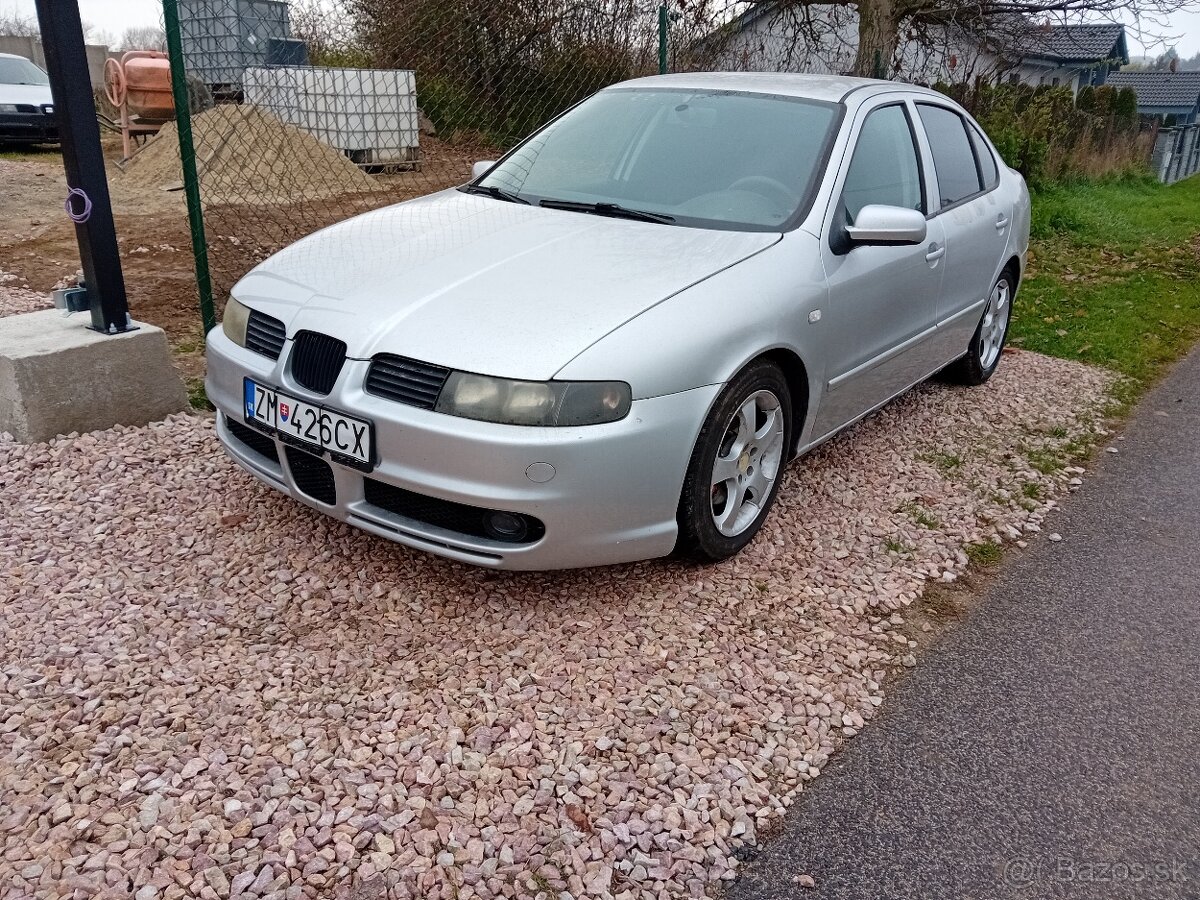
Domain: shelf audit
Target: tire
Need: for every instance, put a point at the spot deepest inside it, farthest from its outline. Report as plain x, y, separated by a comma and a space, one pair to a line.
710, 528
987, 343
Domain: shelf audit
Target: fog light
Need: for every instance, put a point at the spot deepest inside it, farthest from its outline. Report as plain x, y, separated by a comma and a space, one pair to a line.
508, 527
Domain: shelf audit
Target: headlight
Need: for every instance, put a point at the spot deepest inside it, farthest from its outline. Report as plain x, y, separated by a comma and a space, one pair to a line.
7, 108
234, 322
559, 403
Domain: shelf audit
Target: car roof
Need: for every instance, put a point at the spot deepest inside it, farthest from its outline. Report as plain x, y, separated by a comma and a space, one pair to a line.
831, 88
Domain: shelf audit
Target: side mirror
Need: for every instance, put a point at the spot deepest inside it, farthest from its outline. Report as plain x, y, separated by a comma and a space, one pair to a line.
481, 168
888, 225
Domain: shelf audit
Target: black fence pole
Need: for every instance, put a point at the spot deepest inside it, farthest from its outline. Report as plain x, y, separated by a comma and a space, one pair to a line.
89, 203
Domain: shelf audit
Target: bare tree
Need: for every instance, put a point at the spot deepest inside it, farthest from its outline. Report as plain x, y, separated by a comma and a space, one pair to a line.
13, 24
327, 31
144, 37
100, 36
504, 66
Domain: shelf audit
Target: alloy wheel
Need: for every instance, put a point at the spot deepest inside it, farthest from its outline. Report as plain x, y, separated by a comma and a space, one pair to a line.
995, 324
747, 463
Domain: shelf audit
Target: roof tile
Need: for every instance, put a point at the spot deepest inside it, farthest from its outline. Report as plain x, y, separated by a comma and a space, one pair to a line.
1079, 42
1160, 88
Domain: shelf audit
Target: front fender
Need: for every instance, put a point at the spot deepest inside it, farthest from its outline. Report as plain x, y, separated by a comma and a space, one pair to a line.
707, 333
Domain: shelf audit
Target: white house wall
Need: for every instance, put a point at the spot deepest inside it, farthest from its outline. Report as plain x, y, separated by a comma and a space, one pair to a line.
770, 44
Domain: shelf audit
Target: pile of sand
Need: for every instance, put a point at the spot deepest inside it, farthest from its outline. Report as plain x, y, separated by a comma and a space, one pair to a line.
246, 155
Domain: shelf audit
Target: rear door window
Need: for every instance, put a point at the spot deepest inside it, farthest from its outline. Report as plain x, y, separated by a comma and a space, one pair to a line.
953, 156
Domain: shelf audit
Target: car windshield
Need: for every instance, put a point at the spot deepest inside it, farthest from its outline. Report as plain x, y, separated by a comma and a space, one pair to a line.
716, 159
21, 71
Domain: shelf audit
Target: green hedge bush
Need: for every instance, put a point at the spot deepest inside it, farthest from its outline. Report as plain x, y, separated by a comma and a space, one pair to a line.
1049, 135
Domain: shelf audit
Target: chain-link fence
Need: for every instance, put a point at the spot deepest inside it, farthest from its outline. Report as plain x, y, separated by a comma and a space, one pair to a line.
306, 112
325, 108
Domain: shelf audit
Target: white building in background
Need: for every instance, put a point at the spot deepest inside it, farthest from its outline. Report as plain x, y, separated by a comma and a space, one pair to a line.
1070, 55
824, 40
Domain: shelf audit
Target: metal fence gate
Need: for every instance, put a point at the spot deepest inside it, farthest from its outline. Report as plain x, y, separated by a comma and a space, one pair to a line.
1176, 153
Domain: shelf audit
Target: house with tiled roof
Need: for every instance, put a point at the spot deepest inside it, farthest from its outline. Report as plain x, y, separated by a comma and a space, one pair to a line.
1068, 55
1171, 96
771, 37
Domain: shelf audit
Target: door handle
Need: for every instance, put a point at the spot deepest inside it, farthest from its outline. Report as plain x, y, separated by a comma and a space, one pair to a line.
935, 253
1001, 222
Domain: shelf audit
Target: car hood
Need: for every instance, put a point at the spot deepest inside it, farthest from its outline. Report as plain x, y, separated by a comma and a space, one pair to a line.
37, 94
482, 285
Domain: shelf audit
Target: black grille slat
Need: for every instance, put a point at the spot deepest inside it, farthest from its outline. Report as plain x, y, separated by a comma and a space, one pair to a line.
406, 380
457, 517
389, 380
313, 476
255, 440
405, 393
265, 335
417, 371
317, 360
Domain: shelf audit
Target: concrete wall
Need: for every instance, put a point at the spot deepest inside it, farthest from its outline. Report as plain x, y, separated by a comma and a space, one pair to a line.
31, 48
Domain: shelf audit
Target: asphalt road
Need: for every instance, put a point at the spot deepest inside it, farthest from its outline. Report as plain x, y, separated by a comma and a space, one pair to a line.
1050, 745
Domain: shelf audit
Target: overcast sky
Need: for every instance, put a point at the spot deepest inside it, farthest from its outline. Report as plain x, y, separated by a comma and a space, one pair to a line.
114, 16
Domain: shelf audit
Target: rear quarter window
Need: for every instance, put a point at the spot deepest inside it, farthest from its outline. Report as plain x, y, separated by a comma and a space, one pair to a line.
988, 171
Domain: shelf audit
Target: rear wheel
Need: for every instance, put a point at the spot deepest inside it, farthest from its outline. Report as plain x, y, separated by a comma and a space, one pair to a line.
736, 466
987, 344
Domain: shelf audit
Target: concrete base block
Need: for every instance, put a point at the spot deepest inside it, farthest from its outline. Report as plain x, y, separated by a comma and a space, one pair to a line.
59, 376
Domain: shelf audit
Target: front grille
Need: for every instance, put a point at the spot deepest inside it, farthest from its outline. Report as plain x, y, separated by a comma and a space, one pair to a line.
255, 440
317, 360
265, 335
406, 380
313, 476
457, 517
27, 108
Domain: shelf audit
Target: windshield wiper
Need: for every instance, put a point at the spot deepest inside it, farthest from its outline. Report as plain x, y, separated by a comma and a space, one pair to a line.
609, 209
494, 192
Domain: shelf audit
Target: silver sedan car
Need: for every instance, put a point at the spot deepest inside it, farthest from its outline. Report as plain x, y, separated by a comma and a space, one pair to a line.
607, 346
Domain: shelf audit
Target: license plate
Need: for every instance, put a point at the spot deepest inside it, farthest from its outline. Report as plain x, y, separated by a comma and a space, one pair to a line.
345, 438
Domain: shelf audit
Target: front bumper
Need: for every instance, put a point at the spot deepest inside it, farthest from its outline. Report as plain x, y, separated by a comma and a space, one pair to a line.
612, 498
34, 128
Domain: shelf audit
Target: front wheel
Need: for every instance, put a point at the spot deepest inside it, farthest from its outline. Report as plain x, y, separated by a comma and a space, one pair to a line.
736, 466
987, 344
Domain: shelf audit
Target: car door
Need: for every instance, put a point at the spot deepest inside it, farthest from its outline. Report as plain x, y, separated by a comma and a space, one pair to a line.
976, 221
882, 299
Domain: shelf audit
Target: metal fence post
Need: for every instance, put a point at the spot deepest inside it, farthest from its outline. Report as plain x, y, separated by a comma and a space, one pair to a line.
83, 159
187, 158
664, 20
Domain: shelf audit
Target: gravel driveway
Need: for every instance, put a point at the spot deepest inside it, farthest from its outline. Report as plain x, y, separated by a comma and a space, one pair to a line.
209, 690
15, 298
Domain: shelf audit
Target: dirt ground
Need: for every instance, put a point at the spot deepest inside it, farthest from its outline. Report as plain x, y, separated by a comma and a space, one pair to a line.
38, 244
